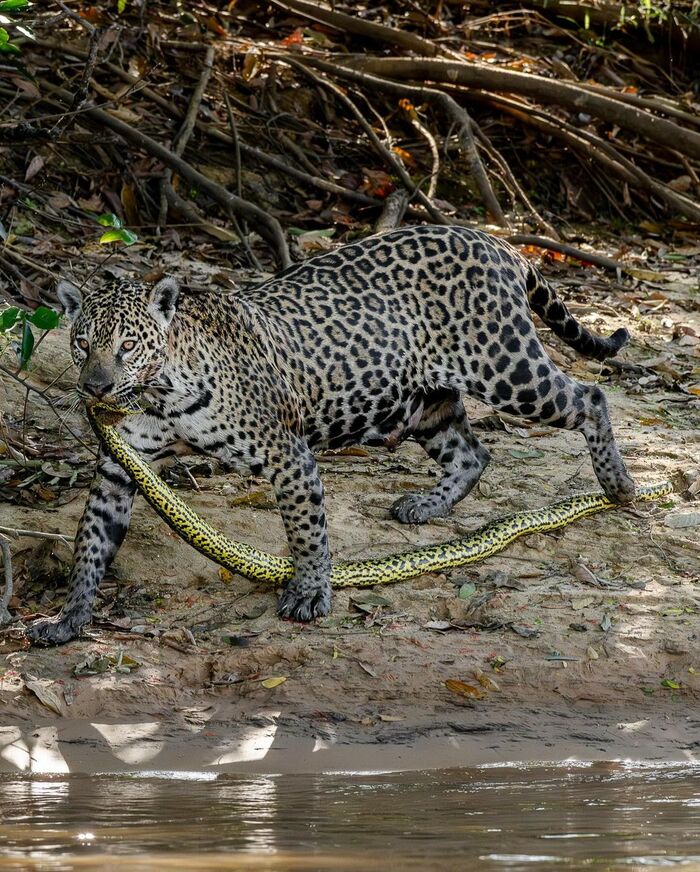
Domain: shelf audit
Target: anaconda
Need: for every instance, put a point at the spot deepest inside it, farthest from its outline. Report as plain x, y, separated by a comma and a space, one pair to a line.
259, 565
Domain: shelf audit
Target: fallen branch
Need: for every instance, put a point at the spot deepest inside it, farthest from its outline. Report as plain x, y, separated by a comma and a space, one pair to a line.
360, 27
510, 180
454, 113
36, 534
491, 78
248, 151
384, 152
185, 132
268, 227
393, 212
593, 146
569, 250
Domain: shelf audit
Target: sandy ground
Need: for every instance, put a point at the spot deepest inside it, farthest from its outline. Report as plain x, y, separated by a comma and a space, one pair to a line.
580, 643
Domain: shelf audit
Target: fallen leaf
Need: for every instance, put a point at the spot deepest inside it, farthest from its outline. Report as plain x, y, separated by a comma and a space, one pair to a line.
437, 625
647, 275
485, 680
525, 632
46, 696
368, 601
225, 575
463, 689
467, 590
524, 454
390, 719
273, 681
35, 166
671, 684
258, 499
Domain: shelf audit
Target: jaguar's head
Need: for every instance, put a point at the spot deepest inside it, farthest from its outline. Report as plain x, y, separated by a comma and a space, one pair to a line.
119, 335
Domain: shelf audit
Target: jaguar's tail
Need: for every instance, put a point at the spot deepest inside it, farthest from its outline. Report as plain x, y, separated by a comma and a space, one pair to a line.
545, 302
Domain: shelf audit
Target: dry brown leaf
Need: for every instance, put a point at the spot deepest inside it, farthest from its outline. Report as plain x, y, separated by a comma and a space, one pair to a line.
35, 166
463, 689
46, 696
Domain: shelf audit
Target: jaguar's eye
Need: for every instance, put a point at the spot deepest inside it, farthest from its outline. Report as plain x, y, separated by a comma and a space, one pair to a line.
129, 345
84, 344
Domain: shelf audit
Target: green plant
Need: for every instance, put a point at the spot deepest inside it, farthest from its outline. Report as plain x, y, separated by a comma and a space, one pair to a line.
18, 324
118, 233
9, 7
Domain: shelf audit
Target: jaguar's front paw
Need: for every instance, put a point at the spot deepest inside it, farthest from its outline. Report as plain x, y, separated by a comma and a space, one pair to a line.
58, 630
304, 601
417, 509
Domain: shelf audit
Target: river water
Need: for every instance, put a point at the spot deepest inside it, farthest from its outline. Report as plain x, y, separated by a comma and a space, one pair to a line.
571, 817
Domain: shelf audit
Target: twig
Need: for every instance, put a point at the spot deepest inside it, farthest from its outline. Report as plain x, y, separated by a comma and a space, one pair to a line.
5, 616
510, 179
182, 137
412, 114
42, 393
80, 95
36, 534
243, 229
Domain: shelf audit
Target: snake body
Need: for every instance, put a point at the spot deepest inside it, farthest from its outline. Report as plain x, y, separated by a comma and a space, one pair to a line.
259, 565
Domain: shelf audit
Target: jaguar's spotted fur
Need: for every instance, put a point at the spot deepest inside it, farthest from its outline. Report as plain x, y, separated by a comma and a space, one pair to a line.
371, 343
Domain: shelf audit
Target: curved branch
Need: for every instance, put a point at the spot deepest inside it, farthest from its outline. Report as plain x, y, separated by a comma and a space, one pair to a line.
360, 27
384, 152
454, 113
591, 145
268, 227
575, 98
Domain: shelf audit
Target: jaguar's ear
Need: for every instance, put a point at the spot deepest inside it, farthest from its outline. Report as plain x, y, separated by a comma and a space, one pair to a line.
163, 301
70, 298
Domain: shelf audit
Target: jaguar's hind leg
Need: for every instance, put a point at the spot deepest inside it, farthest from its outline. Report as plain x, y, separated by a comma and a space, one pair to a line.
555, 399
445, 434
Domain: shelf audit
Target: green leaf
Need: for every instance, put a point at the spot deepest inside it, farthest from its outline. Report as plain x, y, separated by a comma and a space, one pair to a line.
11, 5
467, 590
4, 36
44, 318
670, 683
121, 6
125, 236
109, 219
25, 351
8, 318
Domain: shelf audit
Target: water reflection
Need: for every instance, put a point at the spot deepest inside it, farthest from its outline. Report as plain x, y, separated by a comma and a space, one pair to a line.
608, 816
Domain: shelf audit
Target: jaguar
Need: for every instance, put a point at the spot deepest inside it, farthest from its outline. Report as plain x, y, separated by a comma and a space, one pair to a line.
372, 343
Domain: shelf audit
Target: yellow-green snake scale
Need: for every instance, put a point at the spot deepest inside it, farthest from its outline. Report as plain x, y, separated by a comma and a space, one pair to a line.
260, 566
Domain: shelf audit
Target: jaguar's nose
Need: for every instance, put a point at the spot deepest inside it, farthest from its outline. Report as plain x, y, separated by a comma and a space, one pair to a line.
98, 389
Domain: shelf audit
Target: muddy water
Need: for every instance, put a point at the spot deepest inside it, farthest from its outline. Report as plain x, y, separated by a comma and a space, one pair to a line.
602, 816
